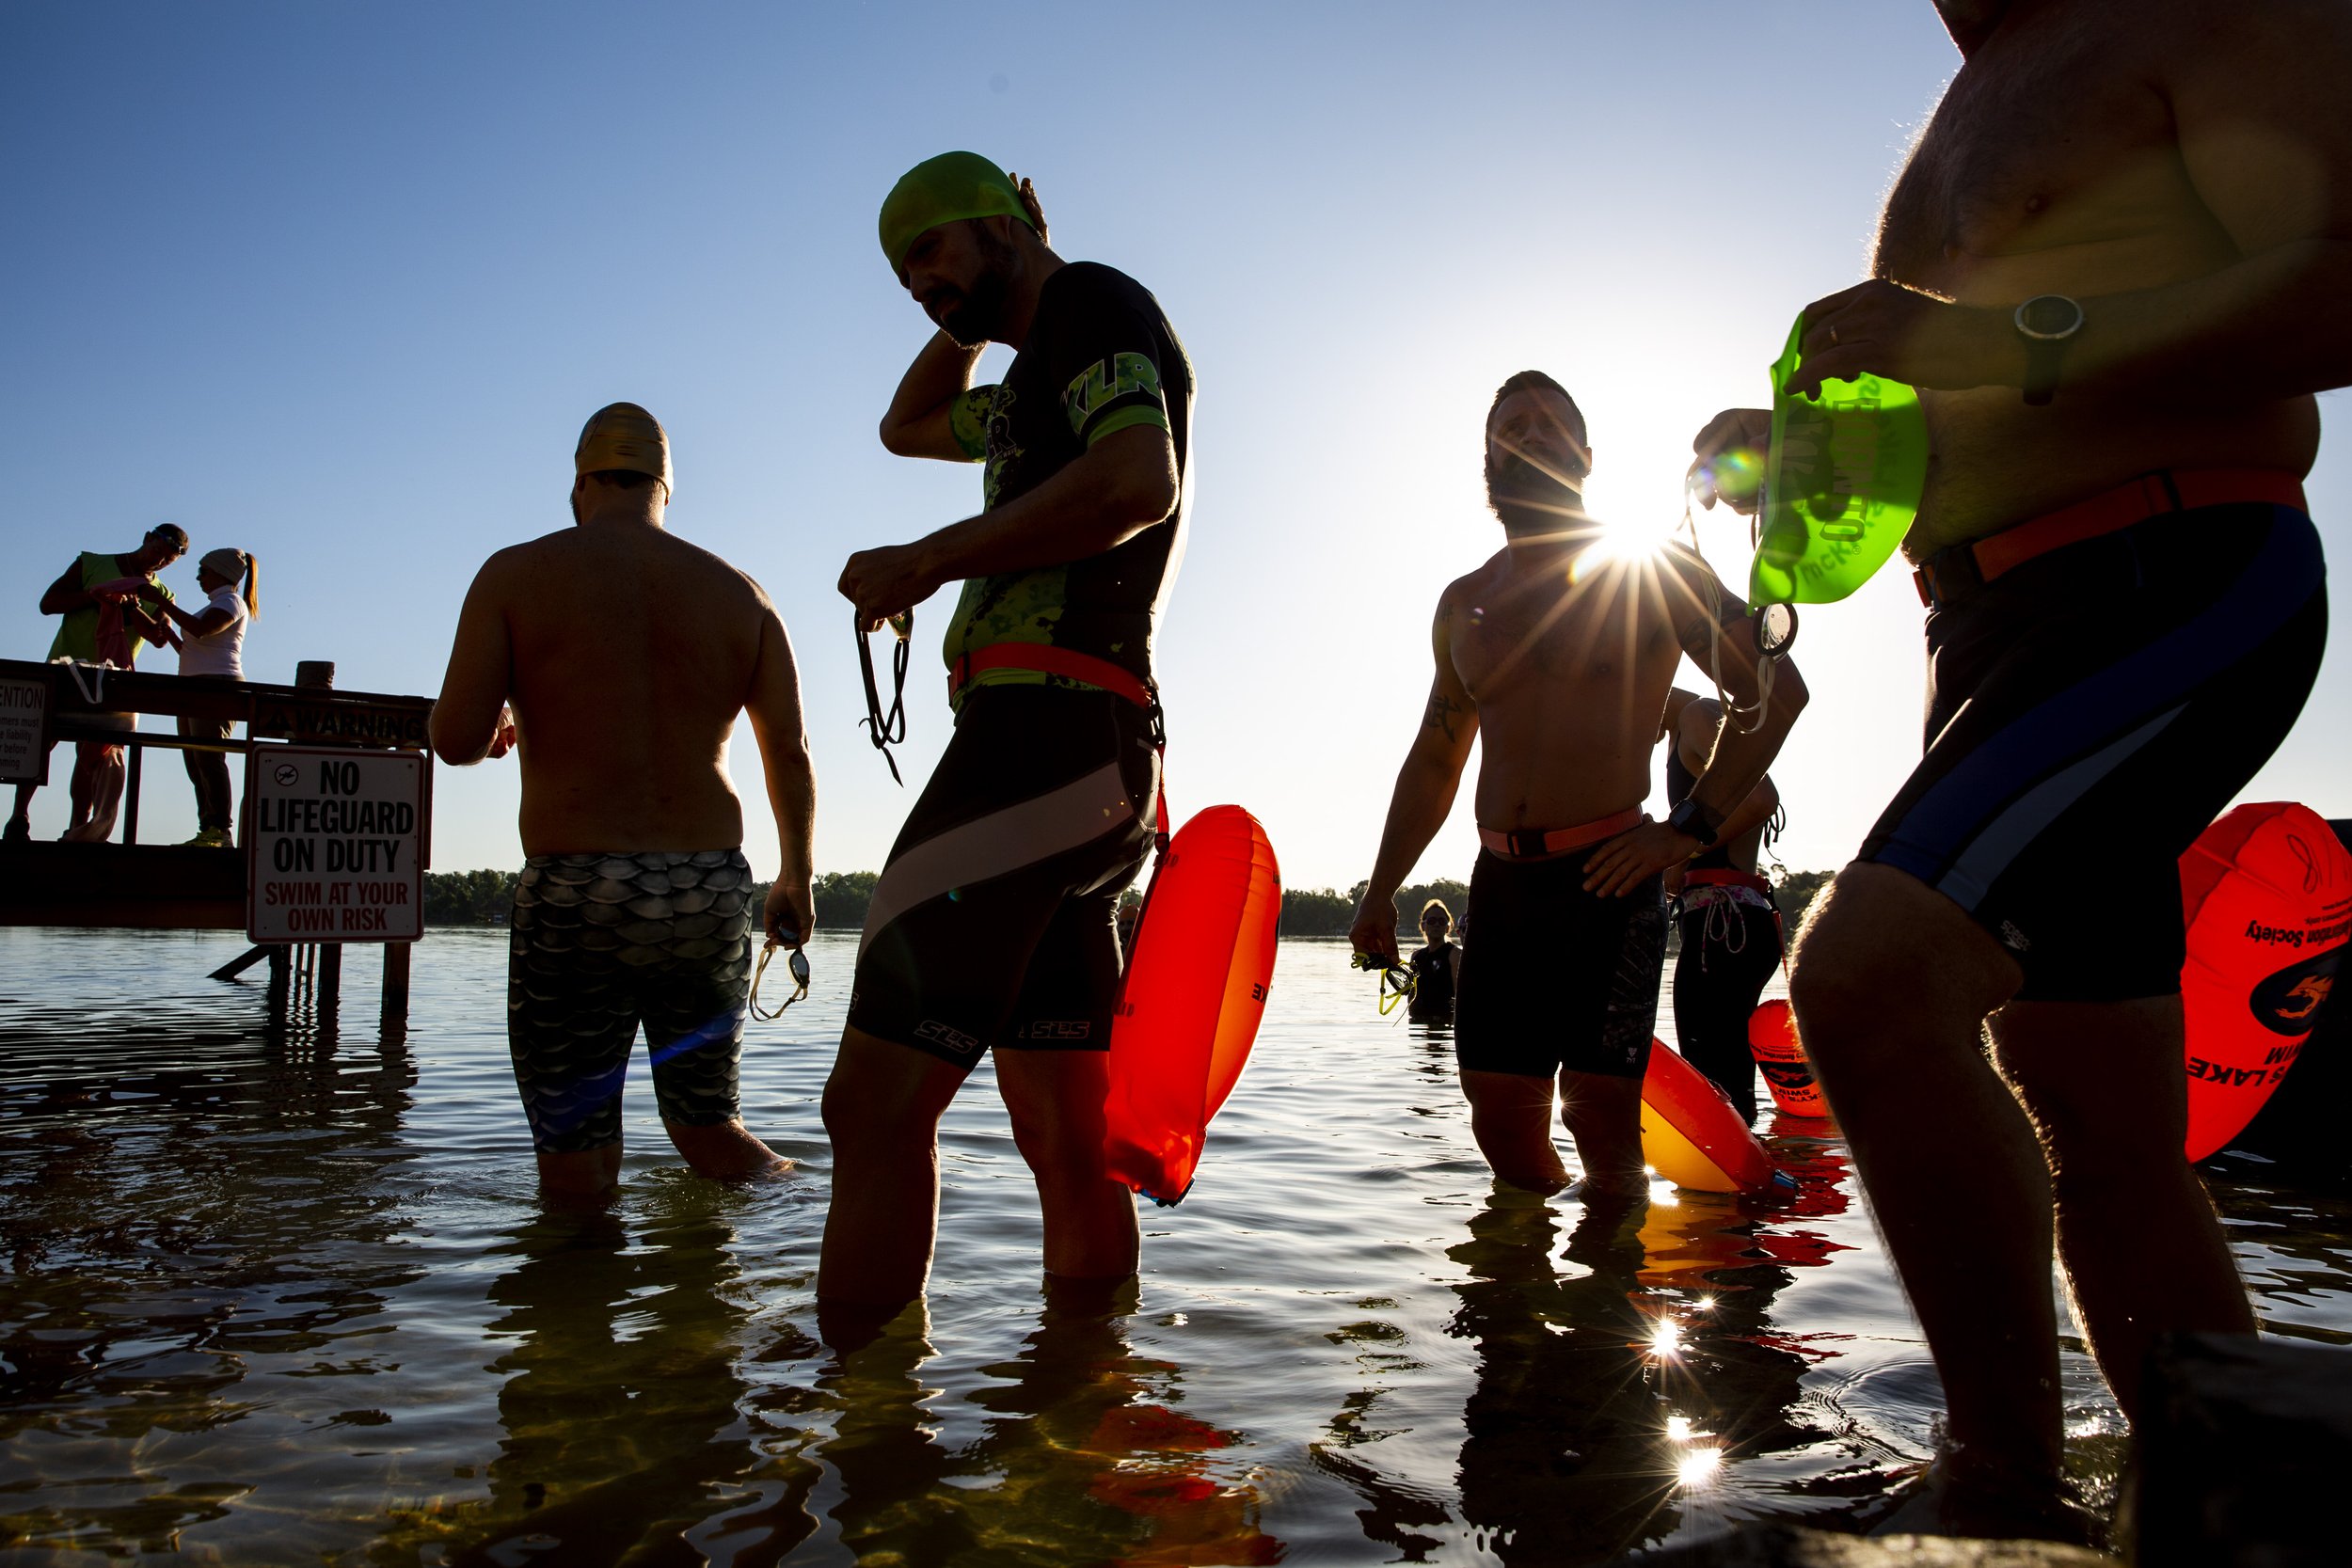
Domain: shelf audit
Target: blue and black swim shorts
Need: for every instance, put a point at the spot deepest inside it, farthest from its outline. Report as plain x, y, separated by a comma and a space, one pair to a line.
2089, 713
602, 944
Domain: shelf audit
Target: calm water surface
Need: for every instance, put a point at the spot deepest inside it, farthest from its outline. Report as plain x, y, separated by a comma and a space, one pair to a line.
280, 1293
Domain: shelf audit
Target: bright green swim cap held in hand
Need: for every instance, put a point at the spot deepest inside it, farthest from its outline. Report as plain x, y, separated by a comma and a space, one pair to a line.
947, 189
1845, 473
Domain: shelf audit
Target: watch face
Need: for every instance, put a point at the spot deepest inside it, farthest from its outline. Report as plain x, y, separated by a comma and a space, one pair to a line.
2049, 316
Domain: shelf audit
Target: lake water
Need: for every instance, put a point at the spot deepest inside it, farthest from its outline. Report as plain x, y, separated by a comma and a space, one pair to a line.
280, 1293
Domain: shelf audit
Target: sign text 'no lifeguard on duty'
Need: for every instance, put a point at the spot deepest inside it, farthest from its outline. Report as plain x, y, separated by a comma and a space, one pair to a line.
335, 849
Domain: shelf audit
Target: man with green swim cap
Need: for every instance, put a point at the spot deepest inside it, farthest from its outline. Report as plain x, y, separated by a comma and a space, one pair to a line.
2115, 268
992, 925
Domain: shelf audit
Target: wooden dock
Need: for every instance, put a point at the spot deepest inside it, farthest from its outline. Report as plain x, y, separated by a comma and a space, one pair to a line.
131, 885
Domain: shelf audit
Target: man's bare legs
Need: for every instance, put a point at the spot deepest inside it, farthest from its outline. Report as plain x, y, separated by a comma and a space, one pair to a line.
1891, 982
882, 1106
1055, 1099
581, 1178
2142, 1249
1511, 1118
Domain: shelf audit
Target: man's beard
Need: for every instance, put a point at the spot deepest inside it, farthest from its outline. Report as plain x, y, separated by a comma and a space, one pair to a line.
978, 314
975, 318
1530, 501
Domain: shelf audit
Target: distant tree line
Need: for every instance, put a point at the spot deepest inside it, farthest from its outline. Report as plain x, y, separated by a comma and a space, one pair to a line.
483, 898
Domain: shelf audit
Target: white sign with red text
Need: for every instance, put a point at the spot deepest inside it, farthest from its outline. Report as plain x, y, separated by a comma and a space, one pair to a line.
334, 847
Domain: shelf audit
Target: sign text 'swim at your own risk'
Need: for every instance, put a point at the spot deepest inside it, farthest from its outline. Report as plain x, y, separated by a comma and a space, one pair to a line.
334, 852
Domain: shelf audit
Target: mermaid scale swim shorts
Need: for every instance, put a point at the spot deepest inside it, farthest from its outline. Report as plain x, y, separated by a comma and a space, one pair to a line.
604, 942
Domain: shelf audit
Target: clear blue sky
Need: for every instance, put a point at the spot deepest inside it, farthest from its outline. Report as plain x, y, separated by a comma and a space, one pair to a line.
337, 284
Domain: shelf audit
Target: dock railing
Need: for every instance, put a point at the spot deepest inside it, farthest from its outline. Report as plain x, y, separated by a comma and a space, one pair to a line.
130, 884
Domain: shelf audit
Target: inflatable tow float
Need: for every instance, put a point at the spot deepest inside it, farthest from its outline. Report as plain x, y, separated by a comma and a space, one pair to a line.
1191, 1000
1772, 1041
1693, 1137
2267, 896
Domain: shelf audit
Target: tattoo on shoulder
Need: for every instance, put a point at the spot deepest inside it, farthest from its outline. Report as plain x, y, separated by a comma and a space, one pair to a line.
1443, 714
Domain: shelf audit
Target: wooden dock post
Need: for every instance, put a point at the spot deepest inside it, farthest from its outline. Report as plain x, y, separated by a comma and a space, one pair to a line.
396, 978
330, 985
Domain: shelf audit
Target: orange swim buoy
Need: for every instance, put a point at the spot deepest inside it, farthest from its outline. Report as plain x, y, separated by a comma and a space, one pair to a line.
1772, 1041
1193, 996
1692, 1136
2267, 896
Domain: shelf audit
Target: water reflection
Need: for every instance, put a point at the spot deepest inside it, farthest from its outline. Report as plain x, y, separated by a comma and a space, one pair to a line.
161, 1245
623, 1435
1086, 1455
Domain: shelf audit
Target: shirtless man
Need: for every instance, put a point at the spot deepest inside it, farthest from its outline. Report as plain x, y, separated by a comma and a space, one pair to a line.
1563, 652
2139, 216
613, 658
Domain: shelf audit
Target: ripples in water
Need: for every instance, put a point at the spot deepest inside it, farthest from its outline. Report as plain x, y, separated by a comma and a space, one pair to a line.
279, 1291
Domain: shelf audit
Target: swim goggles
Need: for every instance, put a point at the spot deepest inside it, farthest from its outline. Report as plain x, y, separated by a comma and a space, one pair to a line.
798, 964
1396, 981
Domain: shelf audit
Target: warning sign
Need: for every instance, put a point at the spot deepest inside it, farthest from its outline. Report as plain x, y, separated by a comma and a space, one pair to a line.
24, 742
335, 848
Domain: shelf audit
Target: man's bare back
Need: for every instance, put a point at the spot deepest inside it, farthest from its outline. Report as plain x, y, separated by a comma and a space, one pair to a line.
1567, 660
633, 651
2056, 164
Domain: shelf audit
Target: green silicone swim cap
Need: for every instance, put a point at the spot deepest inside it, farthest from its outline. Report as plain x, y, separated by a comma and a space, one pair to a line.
947, 189
1845, 475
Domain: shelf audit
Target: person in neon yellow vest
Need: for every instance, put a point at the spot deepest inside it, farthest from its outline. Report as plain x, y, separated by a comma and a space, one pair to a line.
96, 788
2114, 267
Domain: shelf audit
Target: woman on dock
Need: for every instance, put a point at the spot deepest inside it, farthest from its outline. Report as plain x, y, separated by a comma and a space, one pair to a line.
214, 646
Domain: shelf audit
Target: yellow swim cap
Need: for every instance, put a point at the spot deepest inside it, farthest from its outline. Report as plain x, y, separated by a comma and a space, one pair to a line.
947, 189
623, 436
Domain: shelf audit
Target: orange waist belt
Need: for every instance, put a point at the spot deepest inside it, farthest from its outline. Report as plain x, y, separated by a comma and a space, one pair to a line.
1530, 843
1953, 573
1046, 659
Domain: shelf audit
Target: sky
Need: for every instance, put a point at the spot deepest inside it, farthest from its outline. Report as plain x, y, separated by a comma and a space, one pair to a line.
338, 284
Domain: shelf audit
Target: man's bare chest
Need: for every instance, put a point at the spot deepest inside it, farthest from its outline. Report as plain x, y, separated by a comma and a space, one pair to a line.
1522, 651
2050, 139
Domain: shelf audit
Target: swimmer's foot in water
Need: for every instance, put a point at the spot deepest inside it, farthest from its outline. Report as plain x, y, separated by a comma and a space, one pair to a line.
727, 1151
1987, 1505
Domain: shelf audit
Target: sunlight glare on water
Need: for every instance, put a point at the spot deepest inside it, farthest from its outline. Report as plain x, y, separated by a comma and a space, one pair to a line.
279, 1292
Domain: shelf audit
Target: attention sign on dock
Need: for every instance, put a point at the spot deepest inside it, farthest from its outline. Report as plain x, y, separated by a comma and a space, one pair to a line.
335, 849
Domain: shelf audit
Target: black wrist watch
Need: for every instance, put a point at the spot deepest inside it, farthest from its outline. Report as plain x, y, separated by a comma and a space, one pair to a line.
2047, 323
1692, 821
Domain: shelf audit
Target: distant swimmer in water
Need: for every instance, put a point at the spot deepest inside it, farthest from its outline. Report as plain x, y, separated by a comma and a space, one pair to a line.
1730, 926
1561, 651
613, 658
991, 930
2115, 264
1437, 965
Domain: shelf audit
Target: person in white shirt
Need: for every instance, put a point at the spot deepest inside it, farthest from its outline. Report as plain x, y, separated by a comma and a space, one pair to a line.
214, 646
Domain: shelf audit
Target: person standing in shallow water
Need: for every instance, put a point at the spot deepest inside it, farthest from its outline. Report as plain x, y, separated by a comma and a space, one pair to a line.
1561, 651
1730, 926
2115, 265
1437, 967
613, 658
992, 924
